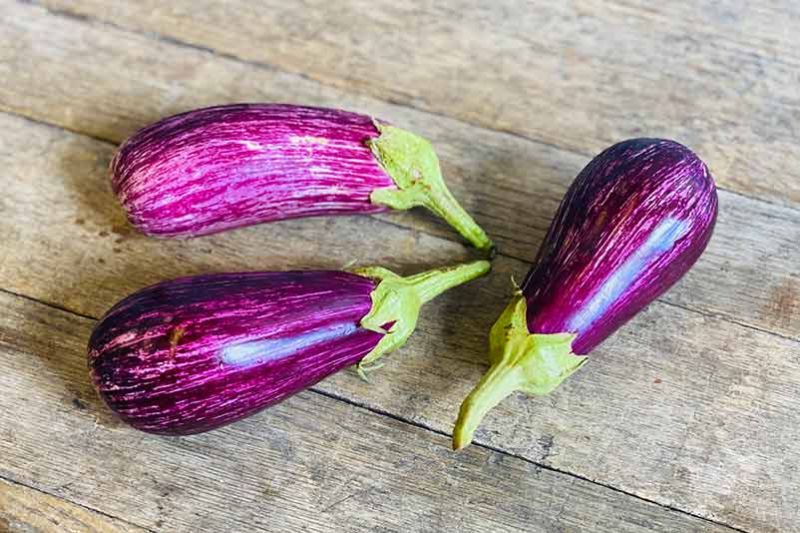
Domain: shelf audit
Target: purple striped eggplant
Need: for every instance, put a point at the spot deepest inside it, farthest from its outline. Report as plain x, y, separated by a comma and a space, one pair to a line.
224, 167
192, 354
632, 223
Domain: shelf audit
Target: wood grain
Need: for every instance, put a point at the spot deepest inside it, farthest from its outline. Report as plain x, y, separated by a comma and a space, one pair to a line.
24, 510
112, 82
310, 464
681, 408
722, 77
693, 405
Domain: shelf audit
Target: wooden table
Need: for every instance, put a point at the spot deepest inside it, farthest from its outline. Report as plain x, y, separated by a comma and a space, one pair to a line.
688, 419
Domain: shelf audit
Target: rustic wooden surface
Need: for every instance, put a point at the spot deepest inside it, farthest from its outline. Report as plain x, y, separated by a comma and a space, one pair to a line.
26, 509
687, 420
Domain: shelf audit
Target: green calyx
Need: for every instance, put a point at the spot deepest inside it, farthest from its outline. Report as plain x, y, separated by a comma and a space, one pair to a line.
529, 362
397, 301
414, 167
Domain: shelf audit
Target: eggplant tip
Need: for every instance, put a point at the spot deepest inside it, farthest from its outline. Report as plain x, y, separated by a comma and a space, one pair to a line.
459, 443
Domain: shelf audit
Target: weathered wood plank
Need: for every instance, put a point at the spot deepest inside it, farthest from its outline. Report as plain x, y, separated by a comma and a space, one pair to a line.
25, 510
680, 408
719, 76
71, 270
310, 464
111, 82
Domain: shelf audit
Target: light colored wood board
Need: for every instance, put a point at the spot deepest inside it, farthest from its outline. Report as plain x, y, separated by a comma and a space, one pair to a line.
677, 408
495, 174
25, 510
310, 464
721, 77
156, 272
650, 435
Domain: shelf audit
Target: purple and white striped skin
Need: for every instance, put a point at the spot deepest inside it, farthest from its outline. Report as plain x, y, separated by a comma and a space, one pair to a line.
632, 223
195, 353
225, 167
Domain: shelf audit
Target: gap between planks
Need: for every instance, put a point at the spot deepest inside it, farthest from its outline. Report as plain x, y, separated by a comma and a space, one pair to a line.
159, 37
398, 418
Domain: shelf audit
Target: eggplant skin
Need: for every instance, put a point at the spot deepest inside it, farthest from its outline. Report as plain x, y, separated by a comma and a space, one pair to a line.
193, 354
631, 224
225, 167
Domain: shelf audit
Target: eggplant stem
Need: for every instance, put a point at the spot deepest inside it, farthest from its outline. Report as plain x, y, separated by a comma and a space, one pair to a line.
363, 370
432, 283
520, 361
495, 385
414, 167
397, 301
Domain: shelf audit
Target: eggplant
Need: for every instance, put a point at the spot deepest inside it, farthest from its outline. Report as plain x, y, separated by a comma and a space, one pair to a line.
229, 166
196, 353
631, 224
